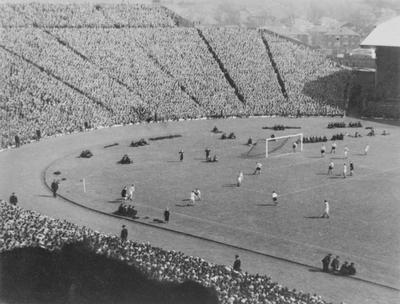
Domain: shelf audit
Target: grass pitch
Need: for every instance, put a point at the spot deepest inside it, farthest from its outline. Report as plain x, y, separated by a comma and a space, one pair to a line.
363, 227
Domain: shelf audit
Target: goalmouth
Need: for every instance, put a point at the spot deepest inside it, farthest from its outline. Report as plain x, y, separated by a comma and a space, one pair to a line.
277, 146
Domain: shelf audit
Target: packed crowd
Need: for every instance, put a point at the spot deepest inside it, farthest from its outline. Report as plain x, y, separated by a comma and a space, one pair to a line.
245, 58
316, 85
75, 76
342, 124
120, 53
23, 228
85, 15
182, 52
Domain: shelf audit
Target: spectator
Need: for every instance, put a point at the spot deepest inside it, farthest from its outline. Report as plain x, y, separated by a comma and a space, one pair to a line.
17, 141
325, 262
124, 233
237, 264
13, 199
166, 215
335, 264
54, 187
344, 269
352, 269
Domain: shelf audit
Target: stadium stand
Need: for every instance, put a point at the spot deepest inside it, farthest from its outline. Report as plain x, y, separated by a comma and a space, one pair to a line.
21, 228
66, 67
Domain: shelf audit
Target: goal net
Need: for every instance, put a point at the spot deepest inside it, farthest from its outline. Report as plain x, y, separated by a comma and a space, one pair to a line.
276, 146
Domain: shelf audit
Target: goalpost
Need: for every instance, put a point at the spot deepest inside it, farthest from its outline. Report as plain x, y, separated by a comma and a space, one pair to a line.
276, 146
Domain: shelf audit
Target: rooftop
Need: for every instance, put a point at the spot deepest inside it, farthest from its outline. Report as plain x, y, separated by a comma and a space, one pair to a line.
385, 34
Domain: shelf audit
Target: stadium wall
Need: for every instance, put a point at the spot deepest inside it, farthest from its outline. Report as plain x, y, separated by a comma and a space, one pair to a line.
388, 73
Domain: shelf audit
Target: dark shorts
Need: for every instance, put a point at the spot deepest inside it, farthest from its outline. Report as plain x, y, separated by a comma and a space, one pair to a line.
274, 199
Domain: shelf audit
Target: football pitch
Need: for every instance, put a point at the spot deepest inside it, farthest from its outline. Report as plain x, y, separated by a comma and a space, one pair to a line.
364, 209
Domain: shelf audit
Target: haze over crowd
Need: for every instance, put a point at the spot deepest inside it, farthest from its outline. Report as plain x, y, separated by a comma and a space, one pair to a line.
299, 14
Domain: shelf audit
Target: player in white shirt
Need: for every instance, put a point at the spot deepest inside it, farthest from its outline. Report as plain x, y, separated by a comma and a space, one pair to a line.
275, 197
345, 151
131, 191
333, 147
192, 198
326, 210
197, 194
344, 170
366, 149
240, 179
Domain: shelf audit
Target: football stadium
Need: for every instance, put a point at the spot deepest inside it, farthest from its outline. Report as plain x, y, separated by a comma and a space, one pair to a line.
146, 159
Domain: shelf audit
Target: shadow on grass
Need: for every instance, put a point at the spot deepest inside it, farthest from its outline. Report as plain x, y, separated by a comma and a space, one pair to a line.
315, 157
44, 195
313, 217
315, 270
230, 185
118, 200
158, 221
184, 205
267, 205
336, 176
321, 173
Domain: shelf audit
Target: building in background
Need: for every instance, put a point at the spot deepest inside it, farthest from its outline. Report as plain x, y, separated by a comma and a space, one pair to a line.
385, 39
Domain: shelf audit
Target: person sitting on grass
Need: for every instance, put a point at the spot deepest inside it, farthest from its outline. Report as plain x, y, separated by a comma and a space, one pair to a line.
344, 269
352, 269
125, 159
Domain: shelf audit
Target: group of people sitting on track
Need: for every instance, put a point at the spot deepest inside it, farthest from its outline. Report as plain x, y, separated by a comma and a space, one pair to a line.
333, 266
127, 210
